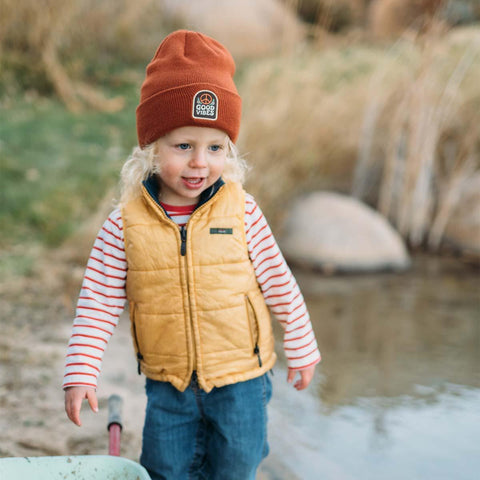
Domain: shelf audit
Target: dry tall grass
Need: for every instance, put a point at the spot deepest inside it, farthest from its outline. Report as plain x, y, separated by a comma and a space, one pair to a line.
397, 123
50, 44
383, 18
432, 144
332, 15
303, 120
391, 18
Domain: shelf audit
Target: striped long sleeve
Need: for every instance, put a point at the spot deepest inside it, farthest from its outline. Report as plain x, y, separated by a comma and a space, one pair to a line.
280, 290
100, 303
102, 298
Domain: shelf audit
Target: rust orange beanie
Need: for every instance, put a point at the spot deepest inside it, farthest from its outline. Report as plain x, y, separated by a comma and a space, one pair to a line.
189, 82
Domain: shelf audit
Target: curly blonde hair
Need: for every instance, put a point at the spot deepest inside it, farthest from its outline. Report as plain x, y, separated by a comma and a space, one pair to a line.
142, 163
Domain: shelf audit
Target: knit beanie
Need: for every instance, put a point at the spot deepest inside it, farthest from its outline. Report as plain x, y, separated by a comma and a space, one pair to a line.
189, 82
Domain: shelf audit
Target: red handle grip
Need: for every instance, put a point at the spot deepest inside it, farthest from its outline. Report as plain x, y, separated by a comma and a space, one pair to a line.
114, 424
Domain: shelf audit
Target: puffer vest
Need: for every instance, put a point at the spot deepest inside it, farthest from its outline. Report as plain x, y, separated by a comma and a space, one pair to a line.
194, 300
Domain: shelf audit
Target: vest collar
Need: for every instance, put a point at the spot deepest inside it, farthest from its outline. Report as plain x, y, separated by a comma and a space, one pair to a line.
151, 185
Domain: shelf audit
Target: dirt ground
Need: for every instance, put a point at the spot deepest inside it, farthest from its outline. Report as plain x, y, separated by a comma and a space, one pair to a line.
36, 317
36, 320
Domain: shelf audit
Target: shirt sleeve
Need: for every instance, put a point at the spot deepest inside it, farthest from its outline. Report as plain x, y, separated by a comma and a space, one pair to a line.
100, 303
280, 290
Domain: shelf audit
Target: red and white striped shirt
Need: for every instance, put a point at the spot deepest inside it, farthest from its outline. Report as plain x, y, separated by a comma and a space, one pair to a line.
179, 214
102, 297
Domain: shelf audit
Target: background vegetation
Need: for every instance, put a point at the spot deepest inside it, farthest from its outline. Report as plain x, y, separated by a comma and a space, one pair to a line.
347, 109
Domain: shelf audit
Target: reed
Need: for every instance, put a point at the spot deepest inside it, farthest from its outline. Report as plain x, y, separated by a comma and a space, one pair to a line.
303, 120
331, 15
65, 47
432, 141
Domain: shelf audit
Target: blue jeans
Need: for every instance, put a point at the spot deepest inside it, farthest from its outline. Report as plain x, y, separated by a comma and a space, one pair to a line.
221, 435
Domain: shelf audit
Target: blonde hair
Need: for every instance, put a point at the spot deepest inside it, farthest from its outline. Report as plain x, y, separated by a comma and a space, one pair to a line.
142, 163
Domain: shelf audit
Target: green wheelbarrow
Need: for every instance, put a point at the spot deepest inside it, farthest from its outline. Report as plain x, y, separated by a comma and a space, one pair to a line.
79, 467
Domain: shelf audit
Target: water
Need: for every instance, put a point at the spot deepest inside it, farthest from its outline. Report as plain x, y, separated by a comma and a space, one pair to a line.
397, 395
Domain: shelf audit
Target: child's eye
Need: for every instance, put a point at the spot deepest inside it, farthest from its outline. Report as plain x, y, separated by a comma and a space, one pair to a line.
215, 148
183, 146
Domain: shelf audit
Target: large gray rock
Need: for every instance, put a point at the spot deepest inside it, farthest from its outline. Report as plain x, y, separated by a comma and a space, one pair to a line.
337, 233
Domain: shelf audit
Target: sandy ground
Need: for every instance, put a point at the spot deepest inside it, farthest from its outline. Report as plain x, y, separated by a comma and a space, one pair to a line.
36, 316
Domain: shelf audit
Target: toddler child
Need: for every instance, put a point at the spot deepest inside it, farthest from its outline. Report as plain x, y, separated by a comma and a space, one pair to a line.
194, 257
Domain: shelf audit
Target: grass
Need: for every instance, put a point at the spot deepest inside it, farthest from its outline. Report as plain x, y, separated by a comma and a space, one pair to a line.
56, 166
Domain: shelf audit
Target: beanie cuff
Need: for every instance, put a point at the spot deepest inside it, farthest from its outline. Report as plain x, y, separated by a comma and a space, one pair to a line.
173, 108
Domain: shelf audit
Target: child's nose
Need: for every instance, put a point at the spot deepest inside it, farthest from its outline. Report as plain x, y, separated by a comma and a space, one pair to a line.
198, 159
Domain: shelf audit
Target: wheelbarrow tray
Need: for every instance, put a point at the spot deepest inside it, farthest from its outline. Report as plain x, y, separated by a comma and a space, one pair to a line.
77, 467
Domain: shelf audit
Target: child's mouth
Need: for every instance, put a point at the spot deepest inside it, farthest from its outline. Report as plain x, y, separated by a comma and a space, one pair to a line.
193, 182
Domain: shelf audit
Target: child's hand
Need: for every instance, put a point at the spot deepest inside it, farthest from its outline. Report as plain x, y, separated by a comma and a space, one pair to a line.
306, 376
73, 402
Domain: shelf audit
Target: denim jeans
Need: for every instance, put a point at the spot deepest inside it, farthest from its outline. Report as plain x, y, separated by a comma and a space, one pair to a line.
221, 435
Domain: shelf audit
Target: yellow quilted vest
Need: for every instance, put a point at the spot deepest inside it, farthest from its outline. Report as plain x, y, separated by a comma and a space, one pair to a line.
194, 302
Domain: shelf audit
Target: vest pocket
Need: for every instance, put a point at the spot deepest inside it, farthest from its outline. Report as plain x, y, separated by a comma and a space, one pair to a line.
254, 328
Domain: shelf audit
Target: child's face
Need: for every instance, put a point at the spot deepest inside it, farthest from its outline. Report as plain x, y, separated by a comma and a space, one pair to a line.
191, 159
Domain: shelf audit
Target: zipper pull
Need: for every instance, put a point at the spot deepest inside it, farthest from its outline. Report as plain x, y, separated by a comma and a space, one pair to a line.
183, 236
139, 357
256, 351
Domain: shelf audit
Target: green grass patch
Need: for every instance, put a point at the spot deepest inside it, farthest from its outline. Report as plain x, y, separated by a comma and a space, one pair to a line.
55, 166
14, 263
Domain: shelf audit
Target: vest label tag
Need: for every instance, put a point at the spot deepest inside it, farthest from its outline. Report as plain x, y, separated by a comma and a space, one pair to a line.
221, 231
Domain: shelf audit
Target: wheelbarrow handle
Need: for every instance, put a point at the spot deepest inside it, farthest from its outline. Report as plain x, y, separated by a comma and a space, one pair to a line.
114, 424
115, 411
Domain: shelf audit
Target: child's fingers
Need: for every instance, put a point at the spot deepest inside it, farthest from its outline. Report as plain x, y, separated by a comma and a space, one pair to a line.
92, 400
301, 384
73, 402
306, 376
72, 407
74, 416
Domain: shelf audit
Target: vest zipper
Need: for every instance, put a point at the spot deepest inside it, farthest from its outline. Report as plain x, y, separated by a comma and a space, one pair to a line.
183, 253
139, 365
256, 351
139, 355
256, 348
183, 237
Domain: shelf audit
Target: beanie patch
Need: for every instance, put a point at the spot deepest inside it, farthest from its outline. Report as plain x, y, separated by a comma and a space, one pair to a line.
205, 105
